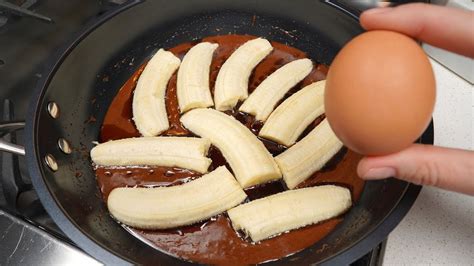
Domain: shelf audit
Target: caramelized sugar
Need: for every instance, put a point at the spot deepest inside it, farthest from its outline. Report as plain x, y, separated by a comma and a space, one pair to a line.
214, 241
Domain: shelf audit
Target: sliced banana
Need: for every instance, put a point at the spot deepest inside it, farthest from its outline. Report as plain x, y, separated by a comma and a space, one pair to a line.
232, 80
250, 161
193, 77
168, 207
264, 98
149, 110
308, 155
294, 115
180, 152
293, 209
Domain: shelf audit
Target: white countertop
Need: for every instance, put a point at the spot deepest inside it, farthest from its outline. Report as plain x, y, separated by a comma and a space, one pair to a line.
439, 228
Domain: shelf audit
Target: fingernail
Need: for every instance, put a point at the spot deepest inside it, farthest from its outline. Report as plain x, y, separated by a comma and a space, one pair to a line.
379, 173
377, 10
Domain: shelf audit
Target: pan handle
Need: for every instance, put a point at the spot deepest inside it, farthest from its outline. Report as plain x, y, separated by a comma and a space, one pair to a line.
6, 128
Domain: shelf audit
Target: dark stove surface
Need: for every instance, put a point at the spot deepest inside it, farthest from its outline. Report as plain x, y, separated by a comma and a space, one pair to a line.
27, 234
25, 42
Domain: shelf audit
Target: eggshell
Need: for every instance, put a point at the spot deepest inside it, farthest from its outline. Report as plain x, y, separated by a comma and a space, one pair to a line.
380, 93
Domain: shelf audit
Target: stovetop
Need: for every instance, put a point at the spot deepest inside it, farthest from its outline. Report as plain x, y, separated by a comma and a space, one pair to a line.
30, 31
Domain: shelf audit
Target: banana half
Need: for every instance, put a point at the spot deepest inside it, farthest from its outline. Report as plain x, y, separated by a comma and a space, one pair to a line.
168, 207
250, 161
193, 77
183, 152
264, 98
308, 155
295, 114
149, 110
293, 209
232, 80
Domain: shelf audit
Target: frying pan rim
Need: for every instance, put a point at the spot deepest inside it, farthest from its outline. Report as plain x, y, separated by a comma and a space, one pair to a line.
33, 158
389, 221
383, 228
102, 252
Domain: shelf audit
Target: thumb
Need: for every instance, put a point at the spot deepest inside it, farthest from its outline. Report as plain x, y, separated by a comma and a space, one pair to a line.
451, 169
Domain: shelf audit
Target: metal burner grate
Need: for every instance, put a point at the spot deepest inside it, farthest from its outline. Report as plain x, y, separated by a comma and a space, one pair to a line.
9, 9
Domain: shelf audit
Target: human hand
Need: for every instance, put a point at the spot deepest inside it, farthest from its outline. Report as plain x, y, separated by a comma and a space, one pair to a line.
451, 169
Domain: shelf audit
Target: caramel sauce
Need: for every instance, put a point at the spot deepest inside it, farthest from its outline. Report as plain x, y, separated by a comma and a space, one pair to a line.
214, 241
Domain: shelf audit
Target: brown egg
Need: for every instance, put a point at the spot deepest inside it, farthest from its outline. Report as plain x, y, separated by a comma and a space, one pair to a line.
380, 93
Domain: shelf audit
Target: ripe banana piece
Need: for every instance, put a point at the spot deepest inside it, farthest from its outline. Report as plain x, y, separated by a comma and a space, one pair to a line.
149, 110
232, 80
183, 152
193, 77
264, 98
308, 155
294, 115
288, 210
250, 161
168, 207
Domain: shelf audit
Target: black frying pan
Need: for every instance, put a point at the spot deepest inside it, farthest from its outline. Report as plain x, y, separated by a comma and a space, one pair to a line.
105, 48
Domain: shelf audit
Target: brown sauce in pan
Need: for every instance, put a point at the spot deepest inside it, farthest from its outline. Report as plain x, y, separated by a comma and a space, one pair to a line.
214, 241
